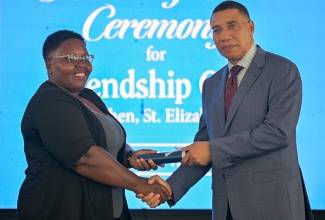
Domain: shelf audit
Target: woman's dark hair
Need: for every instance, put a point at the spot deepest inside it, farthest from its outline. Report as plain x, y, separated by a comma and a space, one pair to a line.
54, 40
231, 5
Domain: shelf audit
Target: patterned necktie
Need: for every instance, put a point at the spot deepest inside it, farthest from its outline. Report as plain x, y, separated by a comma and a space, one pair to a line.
231, 87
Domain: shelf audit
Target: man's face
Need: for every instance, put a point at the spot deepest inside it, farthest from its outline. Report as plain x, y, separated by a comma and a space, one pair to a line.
232, 34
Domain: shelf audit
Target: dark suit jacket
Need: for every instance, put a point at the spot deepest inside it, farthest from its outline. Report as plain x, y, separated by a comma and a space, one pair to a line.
254, 153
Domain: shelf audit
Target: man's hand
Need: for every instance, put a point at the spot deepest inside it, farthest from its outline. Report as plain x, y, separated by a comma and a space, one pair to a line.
146, 187
198, 154
151, 199
141, 164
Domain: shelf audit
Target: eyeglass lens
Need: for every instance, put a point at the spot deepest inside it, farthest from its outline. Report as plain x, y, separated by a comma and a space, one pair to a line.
76, 59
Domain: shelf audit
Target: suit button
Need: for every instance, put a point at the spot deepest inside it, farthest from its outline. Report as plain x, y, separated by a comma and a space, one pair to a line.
224, 176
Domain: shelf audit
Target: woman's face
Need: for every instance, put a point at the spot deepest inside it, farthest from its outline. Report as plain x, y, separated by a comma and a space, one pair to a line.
70, 77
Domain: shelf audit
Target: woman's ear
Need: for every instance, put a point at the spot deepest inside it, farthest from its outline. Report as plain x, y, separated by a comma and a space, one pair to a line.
48, 64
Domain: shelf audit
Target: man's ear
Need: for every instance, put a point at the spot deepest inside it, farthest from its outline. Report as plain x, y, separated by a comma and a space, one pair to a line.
252, 27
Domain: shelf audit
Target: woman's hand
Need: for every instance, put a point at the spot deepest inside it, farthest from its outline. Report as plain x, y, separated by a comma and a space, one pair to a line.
146, 187
141, 164
154, 200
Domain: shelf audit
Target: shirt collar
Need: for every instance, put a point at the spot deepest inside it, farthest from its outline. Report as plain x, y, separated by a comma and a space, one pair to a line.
247, 59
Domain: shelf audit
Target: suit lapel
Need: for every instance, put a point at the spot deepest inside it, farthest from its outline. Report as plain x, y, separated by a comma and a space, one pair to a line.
252, 73
220, 99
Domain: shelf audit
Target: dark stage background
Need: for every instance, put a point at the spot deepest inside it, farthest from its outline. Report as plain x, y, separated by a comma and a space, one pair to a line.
146, 214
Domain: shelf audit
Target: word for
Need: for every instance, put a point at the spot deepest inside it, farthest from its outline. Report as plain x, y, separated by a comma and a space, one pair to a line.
155, 55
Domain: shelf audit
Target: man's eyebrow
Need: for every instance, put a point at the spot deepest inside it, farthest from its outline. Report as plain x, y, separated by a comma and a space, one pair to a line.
231, 22
228, 22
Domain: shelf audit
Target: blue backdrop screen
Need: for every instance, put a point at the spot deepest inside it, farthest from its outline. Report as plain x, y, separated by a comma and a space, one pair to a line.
151, 58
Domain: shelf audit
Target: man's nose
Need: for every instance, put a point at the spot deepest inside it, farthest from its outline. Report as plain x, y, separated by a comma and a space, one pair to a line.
225, 35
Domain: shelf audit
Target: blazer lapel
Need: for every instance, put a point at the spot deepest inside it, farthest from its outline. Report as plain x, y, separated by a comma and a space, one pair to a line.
252, 73
220, 98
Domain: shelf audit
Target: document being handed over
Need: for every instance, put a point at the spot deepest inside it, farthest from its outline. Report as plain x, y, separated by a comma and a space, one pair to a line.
167, 157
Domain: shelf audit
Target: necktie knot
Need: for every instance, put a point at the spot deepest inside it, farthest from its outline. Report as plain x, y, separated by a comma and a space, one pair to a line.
235, 70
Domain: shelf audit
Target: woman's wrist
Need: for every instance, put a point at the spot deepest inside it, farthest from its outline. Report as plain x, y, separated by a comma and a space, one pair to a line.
128, 158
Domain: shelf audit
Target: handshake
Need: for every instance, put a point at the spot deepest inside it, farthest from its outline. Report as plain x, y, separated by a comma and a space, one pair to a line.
156, 191
160, 189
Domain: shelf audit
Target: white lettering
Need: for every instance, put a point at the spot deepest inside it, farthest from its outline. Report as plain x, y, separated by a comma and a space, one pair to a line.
140, 85
155, 55
170, 83
204, 76
114, 89
180, 83
150, 115
146, 28
153, 82
129, 88
172, 4
128, 83
89, 21
179, 115
124, 117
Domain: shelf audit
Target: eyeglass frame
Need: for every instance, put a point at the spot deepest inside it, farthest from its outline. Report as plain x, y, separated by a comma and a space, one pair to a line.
85, 58
236, 23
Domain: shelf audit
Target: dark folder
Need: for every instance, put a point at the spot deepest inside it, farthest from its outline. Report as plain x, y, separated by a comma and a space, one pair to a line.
167, 157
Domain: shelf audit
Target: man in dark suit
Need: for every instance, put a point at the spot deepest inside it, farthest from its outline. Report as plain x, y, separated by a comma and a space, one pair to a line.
251, 143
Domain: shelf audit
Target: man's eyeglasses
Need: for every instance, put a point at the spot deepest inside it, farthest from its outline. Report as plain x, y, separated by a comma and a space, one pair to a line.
232, 26
75, 59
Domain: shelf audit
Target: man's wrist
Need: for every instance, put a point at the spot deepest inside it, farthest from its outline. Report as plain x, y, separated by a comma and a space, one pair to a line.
171, 201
